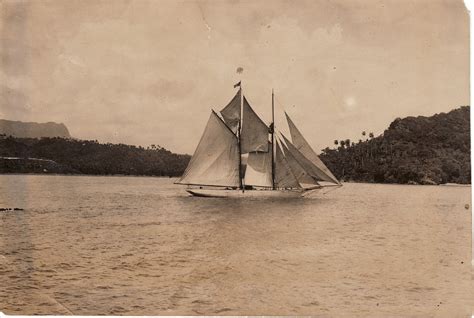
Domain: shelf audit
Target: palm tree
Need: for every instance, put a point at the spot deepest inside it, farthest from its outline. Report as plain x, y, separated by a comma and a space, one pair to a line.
371, 135
325, 150
336, 142
342, 142
363, 133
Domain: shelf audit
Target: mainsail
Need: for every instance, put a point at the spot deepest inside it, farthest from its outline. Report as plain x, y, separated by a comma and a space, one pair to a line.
216, 159
305, 149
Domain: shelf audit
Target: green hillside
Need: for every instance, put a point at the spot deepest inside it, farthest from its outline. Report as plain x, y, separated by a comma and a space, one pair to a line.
423, 150
87, 157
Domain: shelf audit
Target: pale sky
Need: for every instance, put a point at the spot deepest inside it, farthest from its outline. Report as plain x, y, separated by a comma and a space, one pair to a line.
149, 72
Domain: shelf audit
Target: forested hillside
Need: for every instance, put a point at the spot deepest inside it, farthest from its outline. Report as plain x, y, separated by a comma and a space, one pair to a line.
417, 150
423, 150
88, 157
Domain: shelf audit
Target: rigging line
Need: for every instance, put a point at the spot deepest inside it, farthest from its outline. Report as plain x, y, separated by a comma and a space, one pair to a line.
222, 120
281, 105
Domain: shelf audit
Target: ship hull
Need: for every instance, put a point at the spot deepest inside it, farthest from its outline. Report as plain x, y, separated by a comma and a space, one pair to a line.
224, 193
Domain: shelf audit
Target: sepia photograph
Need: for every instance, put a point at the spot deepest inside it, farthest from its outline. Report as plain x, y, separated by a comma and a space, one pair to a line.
235, 158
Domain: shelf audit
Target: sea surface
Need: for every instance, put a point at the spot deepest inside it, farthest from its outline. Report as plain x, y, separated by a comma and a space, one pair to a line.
135, 245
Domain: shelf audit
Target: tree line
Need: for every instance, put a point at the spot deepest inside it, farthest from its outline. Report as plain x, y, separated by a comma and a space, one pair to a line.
73, 156
418, 150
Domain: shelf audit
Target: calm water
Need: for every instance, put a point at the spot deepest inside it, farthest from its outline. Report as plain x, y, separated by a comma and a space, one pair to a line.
129, 245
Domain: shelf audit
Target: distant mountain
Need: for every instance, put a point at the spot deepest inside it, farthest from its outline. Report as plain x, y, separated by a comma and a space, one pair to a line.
21, 129
421, 150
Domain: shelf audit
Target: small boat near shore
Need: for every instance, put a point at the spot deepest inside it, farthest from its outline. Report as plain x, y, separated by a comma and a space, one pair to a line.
240, 156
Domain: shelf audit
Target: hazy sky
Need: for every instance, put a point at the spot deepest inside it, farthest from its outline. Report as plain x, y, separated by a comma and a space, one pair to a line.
148, 72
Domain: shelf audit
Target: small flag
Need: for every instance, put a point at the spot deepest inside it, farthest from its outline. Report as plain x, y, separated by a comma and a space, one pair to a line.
237, 85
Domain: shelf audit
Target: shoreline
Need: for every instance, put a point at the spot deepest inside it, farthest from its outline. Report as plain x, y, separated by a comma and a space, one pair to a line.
174, 177
84, 175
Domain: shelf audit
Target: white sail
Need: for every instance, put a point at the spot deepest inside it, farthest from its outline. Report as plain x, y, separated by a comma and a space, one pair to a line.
299, 172
237, 145
305, 149
231, 113
216, 159
284, 177
254, 131
259, 169
304, 162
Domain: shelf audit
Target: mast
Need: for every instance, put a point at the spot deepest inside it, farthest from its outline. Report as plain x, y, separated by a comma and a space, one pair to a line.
273, 140
241, 186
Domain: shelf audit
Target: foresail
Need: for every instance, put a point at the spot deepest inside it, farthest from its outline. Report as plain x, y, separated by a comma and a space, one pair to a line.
284, 177
305, 149
216, 159
254, 131
305, 163
299, 172
231, 113
259, 169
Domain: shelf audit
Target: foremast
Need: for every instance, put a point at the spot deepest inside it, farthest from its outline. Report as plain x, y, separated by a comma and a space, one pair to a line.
272, 131
241, 186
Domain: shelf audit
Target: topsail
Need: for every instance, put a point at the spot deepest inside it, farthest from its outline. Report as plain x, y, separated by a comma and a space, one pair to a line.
231, 113
254, 132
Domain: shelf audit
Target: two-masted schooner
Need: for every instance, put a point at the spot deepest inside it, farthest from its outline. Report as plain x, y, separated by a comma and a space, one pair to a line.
240, 156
